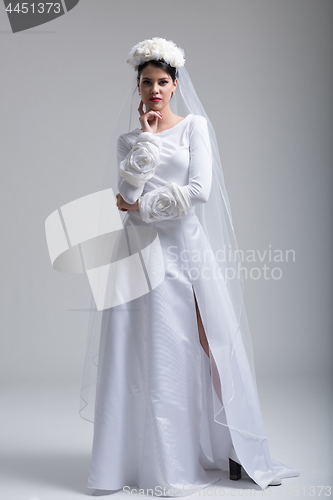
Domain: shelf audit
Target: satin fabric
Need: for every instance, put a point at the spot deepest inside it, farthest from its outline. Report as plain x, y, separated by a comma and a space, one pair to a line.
154, 423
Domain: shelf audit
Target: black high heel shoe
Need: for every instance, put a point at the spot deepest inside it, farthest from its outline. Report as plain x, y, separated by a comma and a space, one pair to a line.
234, 465
235, 469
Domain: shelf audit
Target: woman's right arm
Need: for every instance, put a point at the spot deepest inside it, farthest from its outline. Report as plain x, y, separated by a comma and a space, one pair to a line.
137, 164
172, 201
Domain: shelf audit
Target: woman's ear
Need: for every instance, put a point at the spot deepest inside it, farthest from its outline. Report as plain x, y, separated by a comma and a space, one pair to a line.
175, 83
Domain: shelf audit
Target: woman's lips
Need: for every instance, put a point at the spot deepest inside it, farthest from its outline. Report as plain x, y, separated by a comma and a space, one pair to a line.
155, 99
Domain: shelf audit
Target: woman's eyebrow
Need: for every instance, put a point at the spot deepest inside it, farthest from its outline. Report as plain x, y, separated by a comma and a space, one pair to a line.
146, 78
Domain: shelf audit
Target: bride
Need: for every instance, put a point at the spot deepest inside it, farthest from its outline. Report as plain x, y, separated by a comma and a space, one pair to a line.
176, 394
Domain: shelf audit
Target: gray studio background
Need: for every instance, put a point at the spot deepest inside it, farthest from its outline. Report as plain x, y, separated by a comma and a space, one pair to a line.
263, 71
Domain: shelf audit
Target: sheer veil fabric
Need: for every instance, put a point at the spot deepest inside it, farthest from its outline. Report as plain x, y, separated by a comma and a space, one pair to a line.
230, 346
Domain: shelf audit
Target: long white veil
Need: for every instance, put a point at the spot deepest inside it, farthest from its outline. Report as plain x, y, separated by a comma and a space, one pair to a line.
90, 235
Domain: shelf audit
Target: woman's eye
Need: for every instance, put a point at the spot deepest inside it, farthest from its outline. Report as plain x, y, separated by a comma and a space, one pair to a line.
162, 82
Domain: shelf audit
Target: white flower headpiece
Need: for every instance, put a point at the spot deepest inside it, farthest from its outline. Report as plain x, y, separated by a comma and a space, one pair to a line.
156, 48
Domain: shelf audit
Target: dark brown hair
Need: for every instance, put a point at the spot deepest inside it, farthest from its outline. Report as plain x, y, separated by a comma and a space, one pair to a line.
160, 64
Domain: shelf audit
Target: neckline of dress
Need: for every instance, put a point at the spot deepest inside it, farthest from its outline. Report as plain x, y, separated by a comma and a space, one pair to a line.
171, 128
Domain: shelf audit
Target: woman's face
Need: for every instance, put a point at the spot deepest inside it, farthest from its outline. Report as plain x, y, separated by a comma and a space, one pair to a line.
155, 82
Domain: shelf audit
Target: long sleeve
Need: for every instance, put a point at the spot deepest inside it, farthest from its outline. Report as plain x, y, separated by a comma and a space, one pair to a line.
137, 164
172, 201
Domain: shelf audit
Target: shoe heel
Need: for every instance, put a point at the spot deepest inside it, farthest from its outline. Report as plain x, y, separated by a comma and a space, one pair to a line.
234, 470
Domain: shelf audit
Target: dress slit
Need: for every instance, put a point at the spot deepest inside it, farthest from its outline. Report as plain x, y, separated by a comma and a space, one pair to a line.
199, 322
214, 374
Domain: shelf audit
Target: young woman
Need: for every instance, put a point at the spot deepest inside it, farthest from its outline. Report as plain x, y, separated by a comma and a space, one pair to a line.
176, 392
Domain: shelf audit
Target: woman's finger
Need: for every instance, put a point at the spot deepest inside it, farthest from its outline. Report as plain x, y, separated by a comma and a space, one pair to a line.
140, 108
153, 112
154, 115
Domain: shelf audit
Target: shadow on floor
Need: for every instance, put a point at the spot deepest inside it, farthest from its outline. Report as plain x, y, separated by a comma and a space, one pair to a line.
70, 472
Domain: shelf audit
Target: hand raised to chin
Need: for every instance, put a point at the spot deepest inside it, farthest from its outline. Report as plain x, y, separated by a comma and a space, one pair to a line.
149, 119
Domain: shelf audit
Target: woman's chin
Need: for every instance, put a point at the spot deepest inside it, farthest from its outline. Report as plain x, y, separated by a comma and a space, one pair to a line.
155, 105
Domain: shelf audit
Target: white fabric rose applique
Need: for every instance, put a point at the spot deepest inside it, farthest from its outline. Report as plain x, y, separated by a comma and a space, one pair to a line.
140, 163
167, 202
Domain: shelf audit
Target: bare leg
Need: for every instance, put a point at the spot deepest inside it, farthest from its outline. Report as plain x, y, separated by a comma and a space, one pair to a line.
202, 334
204, 343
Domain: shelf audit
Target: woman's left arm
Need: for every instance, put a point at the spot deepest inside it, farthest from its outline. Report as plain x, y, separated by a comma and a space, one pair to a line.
172, 201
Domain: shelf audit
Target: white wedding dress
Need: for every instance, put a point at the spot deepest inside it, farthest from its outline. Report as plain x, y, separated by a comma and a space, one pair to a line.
154, 425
